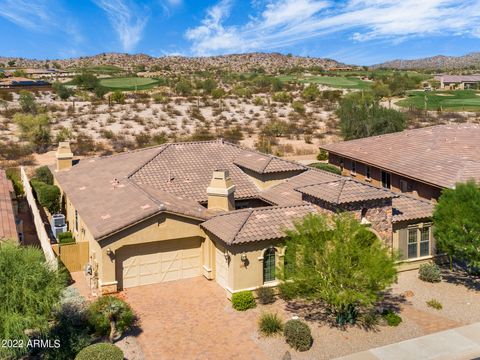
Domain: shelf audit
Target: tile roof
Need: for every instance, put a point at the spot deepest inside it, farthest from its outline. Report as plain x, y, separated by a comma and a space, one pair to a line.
439, 155
458, 78
345, 190
409, 208
264, 164
8, 228
116, 191
250, 225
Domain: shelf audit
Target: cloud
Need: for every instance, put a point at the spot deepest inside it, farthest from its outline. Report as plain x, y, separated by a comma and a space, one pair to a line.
32, 15
127, 20
175, 2
281, 23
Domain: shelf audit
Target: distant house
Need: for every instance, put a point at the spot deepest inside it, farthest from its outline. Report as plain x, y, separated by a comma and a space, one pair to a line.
421, 162
460, 82
20, 83
10, 228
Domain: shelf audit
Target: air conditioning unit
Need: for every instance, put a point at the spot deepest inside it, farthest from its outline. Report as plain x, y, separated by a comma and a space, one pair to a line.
57, 230
58, 220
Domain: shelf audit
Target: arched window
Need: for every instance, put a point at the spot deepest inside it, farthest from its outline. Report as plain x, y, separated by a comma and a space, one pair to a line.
269, 265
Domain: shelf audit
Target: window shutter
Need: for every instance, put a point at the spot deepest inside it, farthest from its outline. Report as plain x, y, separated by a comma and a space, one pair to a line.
433, 248
403, 243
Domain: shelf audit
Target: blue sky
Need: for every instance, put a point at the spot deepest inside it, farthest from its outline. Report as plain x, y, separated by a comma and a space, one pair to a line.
353, 31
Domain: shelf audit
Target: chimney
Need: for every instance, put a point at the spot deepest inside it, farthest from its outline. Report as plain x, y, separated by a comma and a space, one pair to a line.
64, 156
221, 191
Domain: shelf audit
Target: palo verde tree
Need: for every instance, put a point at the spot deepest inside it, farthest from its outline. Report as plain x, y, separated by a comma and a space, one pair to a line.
457, 223
338, 261
29, 292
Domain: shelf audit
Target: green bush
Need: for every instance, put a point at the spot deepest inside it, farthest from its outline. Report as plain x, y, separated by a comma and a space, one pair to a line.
243, 300
47, 195
266, 295
322, 155
106, 307
327, 167
270, 324
44, 174
429, 273
392, 318
298, 335
287, 291
14, 175
100, 351
434, 303
66, 238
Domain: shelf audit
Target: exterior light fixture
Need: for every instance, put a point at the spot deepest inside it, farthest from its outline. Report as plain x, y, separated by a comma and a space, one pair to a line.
243, 257
227, 257
109, 251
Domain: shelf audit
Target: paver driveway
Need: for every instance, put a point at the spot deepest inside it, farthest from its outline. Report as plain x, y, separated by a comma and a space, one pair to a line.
192, 319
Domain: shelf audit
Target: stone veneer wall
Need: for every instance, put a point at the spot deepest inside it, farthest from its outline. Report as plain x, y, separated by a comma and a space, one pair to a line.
379, 214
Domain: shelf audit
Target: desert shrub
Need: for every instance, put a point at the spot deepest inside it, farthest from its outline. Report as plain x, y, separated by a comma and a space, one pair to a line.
434, 303
327, 167
47, 195
14, 175
266, 295
118, 97
109, 315
287, 291
392, 318
66, 238
243, 300
322, 155
429, 273
44, 174
100, 351
270, 324
298, 335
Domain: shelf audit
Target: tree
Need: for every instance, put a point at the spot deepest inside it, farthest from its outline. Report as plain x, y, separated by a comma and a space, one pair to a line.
86, 81
361, 116
62, 91
209, 85
27, 102
380, 90
338, 261
29, 292
35, 129
183, 87
44, 174
457, 223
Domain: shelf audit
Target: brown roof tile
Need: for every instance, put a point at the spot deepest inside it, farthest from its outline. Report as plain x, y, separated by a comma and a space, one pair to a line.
440, 155
243, 226
8, 228
409, 208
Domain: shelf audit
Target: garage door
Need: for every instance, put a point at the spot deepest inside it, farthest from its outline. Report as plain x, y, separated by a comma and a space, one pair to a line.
221, 268
160, 261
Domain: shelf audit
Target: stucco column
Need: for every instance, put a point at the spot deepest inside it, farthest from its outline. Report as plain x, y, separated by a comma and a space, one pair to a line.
207, 258
107, 278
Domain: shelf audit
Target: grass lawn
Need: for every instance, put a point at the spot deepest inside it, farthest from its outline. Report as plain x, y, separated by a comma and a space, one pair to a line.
333, 81
102, 69
129, 83
454, 100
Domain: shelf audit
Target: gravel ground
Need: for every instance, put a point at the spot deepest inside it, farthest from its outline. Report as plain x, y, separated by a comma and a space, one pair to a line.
460, 300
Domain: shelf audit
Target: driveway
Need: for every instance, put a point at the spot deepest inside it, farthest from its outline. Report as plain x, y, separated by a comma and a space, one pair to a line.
192, 319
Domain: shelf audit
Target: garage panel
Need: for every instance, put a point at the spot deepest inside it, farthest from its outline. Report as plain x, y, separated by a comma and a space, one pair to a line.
152, 263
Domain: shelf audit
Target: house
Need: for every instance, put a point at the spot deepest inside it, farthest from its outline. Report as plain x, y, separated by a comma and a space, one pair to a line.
20, 83
420, 162
217, 210
10, 227
458, 82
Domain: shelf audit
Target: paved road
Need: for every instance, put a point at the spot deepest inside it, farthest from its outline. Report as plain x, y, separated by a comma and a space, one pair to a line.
461, 343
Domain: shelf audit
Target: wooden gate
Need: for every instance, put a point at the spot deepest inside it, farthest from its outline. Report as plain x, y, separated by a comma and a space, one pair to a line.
73, 256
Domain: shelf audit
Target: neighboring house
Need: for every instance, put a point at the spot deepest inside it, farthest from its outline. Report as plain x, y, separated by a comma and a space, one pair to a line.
421, 162
458, 82
10, 228
20, 83
217, 210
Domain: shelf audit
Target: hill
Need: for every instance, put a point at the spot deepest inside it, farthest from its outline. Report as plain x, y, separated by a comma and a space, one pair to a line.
440, 62
270, 62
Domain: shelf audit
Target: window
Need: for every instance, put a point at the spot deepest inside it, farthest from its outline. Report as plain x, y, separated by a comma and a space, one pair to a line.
353, 170
76, 220
412, 243
403, 185
386, 179
367, 172
425, 241
269, 265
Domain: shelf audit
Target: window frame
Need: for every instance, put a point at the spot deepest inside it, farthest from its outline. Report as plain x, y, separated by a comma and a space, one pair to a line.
269, 265
416, 240
386, 175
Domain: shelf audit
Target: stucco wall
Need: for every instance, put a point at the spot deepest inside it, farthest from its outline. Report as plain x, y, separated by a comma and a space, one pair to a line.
265, 181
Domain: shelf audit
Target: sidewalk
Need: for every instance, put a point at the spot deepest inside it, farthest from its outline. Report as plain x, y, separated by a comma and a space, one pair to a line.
461, 343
